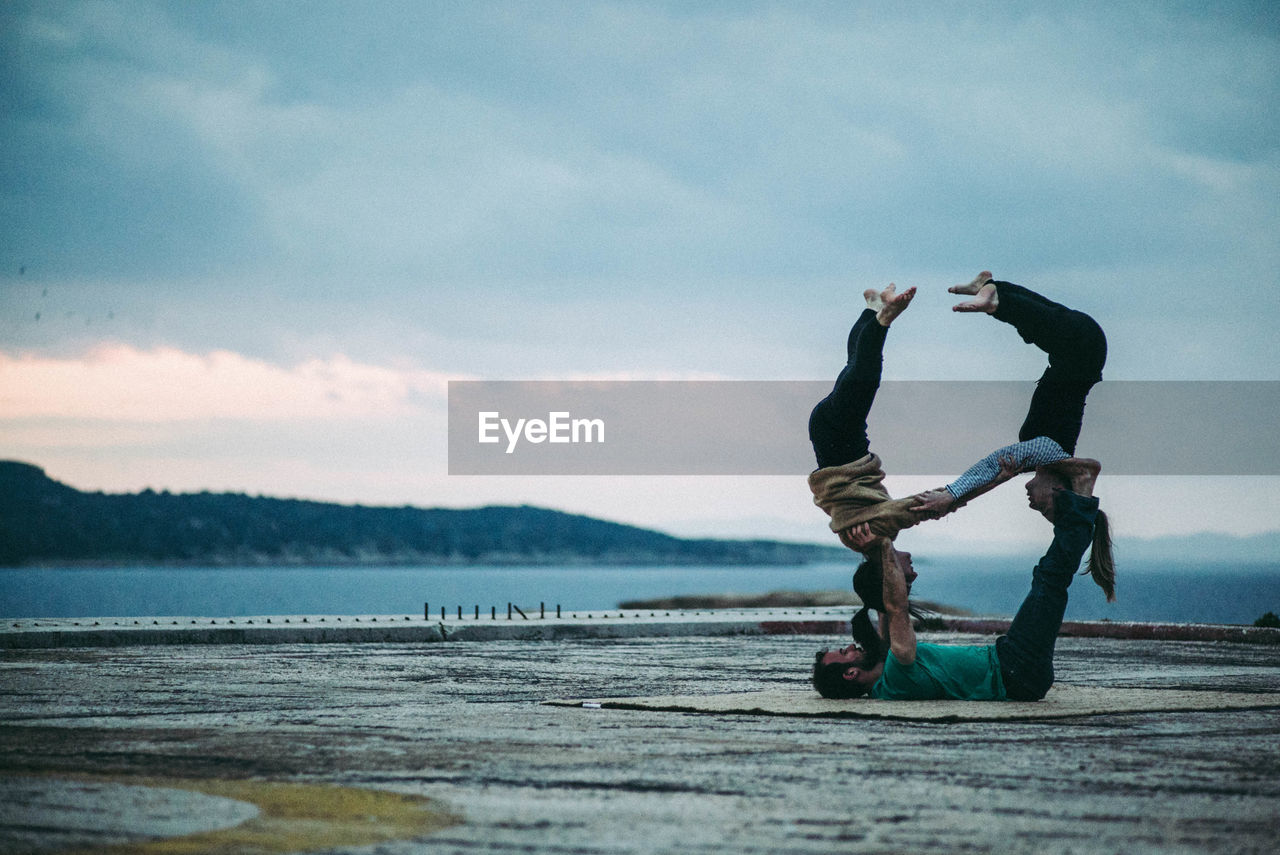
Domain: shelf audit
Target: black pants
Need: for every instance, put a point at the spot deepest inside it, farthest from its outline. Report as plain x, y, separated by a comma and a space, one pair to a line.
1077, 350
838, 424
1026, 651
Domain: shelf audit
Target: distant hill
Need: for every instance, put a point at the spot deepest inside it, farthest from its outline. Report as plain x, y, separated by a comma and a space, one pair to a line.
43, 521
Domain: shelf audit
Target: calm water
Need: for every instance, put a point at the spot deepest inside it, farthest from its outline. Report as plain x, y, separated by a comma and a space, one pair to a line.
1224, 593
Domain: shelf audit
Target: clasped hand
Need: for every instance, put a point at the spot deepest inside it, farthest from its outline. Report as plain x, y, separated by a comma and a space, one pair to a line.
858, 537
938, 502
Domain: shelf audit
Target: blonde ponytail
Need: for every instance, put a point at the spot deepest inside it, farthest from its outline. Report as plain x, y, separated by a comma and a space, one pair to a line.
1102, 565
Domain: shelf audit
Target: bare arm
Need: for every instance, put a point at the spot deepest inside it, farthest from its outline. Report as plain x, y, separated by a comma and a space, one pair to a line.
902, 636
859, 537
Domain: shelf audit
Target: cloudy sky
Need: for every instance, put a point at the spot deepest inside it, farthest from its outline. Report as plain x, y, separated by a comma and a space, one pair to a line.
247, 244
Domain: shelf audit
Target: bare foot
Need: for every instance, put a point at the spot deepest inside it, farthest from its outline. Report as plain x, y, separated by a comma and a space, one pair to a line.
1080, 473
972, 288
872, 296
987, 301
893, 304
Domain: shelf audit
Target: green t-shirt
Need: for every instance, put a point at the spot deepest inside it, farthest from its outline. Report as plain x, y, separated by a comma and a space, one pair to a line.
964, 673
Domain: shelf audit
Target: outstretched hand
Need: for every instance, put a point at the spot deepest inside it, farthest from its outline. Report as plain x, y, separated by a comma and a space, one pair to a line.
936, 503
932, 504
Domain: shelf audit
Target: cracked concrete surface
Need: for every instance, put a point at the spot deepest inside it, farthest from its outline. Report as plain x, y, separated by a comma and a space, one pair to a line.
462, 723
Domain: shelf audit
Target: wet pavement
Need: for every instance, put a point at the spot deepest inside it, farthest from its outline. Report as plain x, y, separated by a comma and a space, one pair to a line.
462, 723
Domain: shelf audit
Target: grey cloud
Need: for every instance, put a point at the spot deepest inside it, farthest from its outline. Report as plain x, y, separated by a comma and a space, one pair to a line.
569, 158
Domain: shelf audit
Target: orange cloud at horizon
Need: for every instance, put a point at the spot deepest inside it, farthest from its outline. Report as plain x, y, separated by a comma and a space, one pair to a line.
118, 382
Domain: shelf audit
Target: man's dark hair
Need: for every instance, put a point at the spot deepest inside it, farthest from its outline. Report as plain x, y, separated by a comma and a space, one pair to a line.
866, 637
830, 682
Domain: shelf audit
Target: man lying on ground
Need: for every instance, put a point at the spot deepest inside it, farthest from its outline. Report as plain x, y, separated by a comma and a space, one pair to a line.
1019, 665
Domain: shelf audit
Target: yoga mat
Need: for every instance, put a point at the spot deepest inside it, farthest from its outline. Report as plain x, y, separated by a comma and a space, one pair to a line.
1063, 701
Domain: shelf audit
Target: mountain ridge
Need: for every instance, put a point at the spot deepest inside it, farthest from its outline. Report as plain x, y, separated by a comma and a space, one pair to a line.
46, 522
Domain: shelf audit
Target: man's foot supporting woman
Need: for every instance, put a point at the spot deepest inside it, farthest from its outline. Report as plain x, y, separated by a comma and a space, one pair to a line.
1078, 473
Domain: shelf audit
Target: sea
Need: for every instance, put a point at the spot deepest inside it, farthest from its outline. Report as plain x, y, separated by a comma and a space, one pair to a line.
1196, 592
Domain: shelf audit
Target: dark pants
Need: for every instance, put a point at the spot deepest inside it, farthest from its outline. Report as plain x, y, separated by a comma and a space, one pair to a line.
838, 424
1026, 651
1077, 351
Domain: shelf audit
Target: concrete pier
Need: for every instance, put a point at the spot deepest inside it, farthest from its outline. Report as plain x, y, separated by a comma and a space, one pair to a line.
601, 623
108, 730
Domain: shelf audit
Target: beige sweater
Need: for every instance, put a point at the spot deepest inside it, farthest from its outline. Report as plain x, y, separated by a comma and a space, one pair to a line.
854, 493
